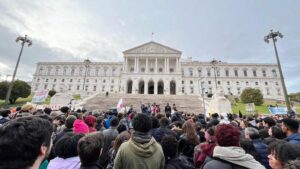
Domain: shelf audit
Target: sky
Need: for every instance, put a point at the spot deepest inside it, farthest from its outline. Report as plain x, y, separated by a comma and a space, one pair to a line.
73, 30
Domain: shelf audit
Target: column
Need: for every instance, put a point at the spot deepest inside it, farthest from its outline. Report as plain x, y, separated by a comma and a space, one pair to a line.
126, 62
147, 67
177, 67
166, 65
145, 87
156, 65
135, 67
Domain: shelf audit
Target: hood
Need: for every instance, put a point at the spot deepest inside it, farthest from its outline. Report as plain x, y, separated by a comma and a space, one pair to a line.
293, 164
236, 155
143, 150
295, 136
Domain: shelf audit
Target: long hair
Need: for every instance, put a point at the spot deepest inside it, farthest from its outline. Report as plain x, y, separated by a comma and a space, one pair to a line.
121, 138
190, 132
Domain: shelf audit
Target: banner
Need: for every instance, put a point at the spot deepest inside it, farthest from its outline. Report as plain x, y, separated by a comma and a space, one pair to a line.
278, 110
40, 96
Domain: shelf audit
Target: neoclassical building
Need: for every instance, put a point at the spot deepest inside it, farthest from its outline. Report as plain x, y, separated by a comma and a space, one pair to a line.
153, 68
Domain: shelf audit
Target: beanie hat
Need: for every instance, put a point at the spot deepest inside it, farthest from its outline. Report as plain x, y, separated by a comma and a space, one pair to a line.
79, 127
90, 120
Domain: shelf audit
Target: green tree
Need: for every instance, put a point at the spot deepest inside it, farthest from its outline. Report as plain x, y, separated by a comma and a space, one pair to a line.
250, 95
20, 89
51, 93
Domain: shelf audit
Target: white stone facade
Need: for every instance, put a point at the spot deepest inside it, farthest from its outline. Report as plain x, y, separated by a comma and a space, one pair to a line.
153, 68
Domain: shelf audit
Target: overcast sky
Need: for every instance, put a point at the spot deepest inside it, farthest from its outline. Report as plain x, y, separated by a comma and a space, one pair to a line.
227, 30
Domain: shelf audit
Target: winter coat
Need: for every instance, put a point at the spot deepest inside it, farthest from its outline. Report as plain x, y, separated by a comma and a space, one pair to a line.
201, 151
179, 162
262, 150
231, 157
186, 147
139, 154
68, 163
159, 133
93, 165
109, 136
294, 138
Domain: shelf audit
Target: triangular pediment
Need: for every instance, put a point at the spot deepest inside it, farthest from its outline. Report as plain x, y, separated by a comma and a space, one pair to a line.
152, 48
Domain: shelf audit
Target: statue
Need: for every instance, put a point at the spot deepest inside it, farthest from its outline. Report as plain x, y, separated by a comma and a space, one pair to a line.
219, 104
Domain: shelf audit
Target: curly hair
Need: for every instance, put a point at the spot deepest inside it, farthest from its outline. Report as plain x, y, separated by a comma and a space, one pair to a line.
227, 135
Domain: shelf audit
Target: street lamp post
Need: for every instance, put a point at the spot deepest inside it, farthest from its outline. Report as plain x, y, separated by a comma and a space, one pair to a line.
87, 63
273, 35
24, 40
202, 93
214, 62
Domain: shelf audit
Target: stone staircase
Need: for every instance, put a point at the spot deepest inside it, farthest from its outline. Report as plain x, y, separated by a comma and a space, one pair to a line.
185, 103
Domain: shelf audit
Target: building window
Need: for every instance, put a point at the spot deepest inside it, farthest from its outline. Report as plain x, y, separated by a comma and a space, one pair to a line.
49, 71
228, 83
209, 82
56, 71
45, 86
278, 92
143, 69
65, 71
111, 88
78, 87
208, 73
192, 90
103, 88
96, 80
227, 73
80, 71
87, 80
86, 87
218, 72
191, 82
97, 72
72, 71
239, 90
113, 71
71, 80
274, 73
54, 80
236, 73
151, 69
254, 73
266, 83
46, 80
245, 73
88, 72
237, 83
199, 73
264, 73
268, 91
78, 80
160, 69
247, 83
70, 86
171, 69
36, 87
105, 70
182, 82
219, 82
276, 83
182, 89
256, 83
62, 80
95, 88
112, 81
191, 72
53, 87
104, 80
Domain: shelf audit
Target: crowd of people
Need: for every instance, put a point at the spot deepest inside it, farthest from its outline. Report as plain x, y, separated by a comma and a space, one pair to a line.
149, 139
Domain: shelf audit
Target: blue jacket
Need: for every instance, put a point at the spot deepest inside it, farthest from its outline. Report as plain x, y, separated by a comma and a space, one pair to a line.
262, 150
294, 138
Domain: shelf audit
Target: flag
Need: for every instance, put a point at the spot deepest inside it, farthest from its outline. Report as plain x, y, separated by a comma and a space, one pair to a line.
120, 104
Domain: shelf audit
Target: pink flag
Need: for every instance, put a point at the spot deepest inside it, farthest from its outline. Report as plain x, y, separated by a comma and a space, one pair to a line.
120, 104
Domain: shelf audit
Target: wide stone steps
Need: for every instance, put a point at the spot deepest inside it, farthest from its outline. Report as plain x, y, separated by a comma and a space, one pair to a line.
100, 102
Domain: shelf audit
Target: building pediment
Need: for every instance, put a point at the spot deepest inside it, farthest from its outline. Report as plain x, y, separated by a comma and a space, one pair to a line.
152, 48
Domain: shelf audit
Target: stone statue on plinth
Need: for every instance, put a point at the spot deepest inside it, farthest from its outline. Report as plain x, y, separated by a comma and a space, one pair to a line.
219, 104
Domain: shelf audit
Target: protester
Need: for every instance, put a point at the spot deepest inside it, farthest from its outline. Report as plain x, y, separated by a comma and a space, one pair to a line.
173, 160
141, 151
89, 150
90, 120
4, 116
261, 148
66, 152
163, 130
284, 155
228, 154
25, 142
290, 127
68, 128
